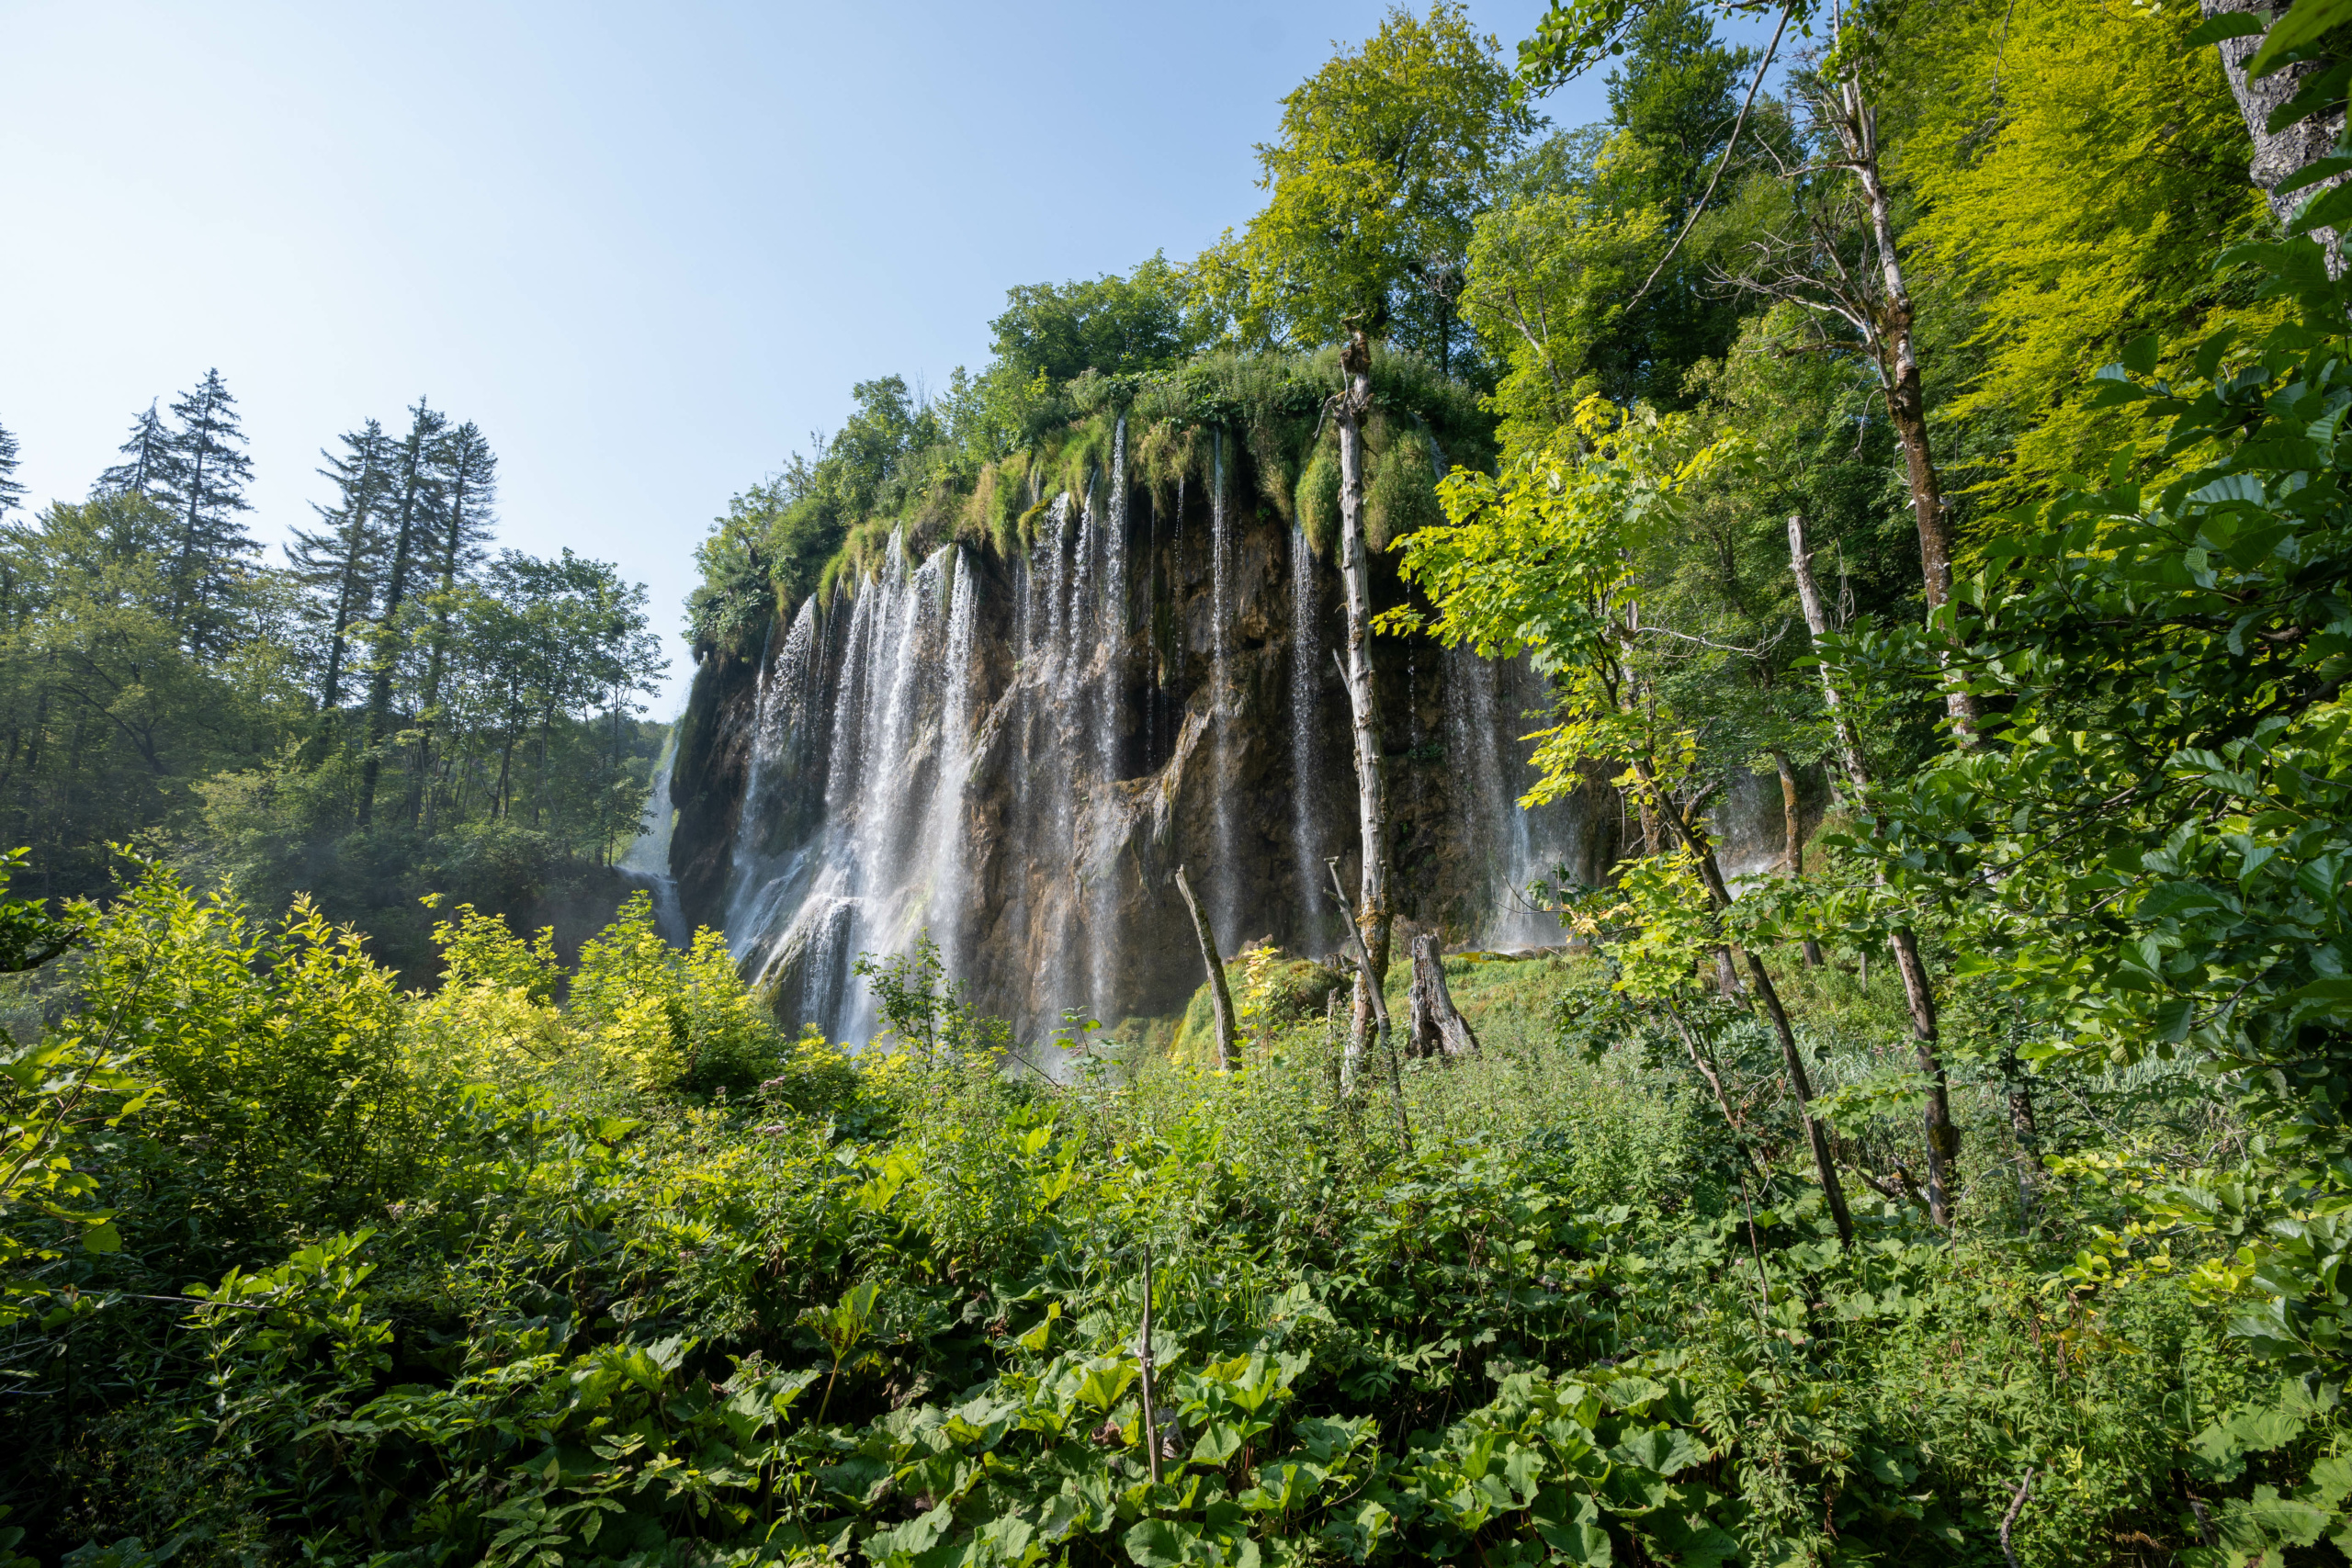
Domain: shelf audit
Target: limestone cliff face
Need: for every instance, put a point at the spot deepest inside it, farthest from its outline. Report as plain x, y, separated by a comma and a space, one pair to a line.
1016, 754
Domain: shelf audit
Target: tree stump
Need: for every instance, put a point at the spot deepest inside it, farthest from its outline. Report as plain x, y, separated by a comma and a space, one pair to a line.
1438, 1028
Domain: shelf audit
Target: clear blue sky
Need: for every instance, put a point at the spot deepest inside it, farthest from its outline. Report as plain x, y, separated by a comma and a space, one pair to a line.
648, 249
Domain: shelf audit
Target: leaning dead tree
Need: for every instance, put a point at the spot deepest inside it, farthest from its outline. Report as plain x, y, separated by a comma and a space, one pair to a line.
1943, 1138
1438, 1028
1220, 999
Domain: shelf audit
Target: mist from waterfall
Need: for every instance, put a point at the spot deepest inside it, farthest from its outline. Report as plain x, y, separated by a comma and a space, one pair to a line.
647, 857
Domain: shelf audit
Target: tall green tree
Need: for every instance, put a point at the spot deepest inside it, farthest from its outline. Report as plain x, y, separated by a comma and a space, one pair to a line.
466, 482
416, 493
341, 566
12, 489
148, 456
1383, 161
205, 486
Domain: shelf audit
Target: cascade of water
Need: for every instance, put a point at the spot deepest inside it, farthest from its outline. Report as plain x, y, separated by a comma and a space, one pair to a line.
1500, 845
1306, 685
1111, 631
1050, 756
1226, 877
945, 836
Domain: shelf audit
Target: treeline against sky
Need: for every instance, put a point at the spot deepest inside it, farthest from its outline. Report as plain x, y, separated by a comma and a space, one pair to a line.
396, 706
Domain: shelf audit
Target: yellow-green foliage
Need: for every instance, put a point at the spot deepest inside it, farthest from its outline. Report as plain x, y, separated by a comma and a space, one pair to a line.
639, 1013
1318, 495
1400, 490
2112, 176
679, 1020
278, 1044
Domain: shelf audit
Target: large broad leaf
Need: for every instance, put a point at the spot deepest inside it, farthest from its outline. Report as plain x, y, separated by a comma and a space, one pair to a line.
1102, 1385
1571, 1524
1665, 1451
1164, 1543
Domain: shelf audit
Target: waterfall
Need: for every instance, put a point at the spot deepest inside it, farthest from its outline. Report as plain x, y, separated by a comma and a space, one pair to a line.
1306, 684
946, 841
1499, 839
870, 874
954, 742
1221, 911
648, 852
1044, 750
1101, 877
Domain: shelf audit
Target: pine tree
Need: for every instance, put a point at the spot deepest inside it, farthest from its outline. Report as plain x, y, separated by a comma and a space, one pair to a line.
341, 566
208, 478
12, 490
418, 494
465, 471
149, 471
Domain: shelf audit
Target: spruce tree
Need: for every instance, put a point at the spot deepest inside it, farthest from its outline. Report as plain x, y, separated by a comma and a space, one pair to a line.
148, 469
418, 492
341, 566
208, 478
465, 471
12, 490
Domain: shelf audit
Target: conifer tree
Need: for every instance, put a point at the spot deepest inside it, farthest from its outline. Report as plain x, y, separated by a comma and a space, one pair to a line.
148, 470
418, 492
341, 566
208, 480
466, 473
12, 490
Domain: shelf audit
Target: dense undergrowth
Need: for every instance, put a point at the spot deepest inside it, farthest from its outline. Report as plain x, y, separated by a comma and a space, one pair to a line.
561, 1266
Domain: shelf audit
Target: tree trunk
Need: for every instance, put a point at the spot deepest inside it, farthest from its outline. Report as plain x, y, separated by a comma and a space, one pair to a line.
1792, 830
1791, 1061
1943, 1138
1368, 987
1220, 1000
1899, 380
1374, 914
1438, 1028
2278, 154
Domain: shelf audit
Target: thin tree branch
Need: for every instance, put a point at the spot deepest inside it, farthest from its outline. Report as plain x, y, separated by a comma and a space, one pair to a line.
1721, 163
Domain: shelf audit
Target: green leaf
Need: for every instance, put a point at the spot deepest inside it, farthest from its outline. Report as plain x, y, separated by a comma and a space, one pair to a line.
1161, 1543
2305, 24
1665, 1449
2228, 25
2140, 354
1219, 1443
1571, 1527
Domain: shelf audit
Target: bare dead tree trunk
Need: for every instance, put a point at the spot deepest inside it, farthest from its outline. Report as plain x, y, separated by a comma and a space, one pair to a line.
1791, 1061
2280, 153
1792, 830
1374, 915
1220, 1000
1943, 1138
1438, 1028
